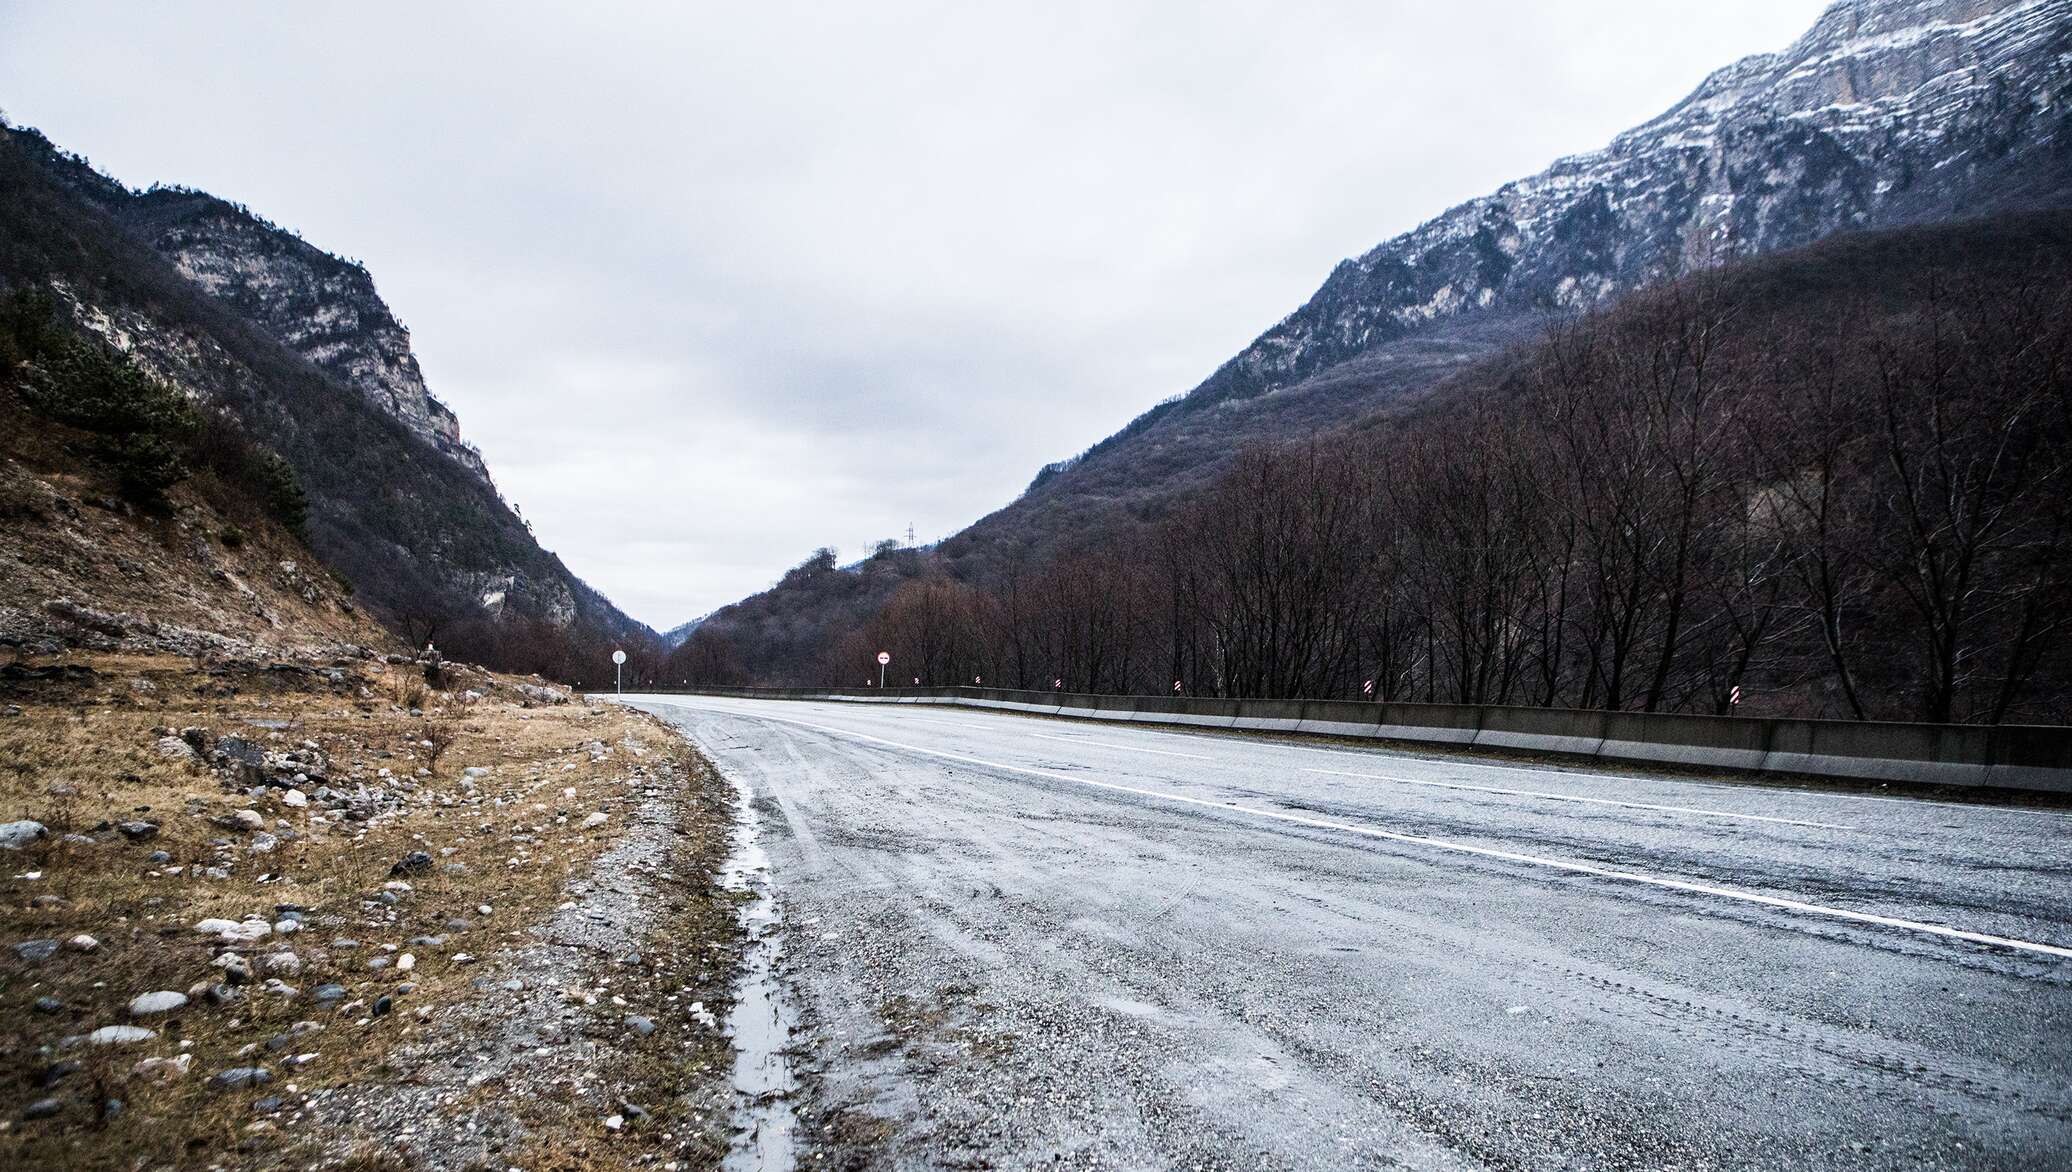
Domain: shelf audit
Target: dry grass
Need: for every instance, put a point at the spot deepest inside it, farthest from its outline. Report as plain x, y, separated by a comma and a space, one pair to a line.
82, 755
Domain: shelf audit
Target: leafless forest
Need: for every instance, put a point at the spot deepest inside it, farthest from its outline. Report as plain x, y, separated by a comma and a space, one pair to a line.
1838, 485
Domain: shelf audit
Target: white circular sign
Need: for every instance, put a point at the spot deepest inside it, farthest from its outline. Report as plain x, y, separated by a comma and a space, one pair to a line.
618, 657
884, 657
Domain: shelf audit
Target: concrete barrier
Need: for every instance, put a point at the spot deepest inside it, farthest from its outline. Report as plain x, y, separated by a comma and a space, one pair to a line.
2026, 757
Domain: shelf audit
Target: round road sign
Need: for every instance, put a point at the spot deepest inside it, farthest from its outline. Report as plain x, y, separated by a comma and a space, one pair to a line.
884, 657
618, 657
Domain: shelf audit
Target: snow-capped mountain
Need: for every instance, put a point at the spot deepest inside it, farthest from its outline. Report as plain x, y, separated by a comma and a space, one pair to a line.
1887, 111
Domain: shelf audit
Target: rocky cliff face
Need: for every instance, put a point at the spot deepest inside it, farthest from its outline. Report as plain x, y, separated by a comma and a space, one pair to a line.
320, 306
1886, 112
296, 345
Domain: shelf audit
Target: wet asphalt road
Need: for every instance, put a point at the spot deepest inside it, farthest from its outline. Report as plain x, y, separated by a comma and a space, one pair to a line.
1021, 942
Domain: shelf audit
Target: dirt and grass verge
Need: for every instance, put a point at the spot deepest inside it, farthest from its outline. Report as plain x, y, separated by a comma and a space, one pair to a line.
458, 919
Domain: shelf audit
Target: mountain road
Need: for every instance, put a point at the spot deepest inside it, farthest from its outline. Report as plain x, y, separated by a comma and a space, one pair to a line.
1020, 942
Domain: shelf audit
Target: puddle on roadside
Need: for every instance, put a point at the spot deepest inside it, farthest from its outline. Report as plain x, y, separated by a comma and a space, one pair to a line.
763, 1015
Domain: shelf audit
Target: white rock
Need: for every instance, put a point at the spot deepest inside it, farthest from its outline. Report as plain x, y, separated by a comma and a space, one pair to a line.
406, 962
163, 1001
295, 798
243, 932
82, 943
174, 749
119, 1035
286, 927
596, 820
16, 835
284, 963
164, 1069
263, 844
249, 819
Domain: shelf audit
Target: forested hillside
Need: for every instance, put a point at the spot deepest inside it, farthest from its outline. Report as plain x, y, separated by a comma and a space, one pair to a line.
1836, 479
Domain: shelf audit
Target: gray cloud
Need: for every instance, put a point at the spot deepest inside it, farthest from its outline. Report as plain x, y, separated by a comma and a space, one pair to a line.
713, 285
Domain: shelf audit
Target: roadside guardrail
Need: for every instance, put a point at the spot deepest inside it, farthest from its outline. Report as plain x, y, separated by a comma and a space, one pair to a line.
2020, 757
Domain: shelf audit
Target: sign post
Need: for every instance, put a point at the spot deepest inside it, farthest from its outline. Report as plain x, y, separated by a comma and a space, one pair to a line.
884, 657
619, 670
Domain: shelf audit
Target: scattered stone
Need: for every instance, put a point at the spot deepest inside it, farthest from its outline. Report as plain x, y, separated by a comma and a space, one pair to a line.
596, 820
236, 969
48, 1005
383, 1004
138, 830
175, 749
163, 1001
163, 1069
158, 857
16, 835
640, 1025
412, 863
240, 1077
295, 798
42, 1108
36, 951
82, 943
328, 995
406, 962
263, 844
247, 820
267, 1105
283, 964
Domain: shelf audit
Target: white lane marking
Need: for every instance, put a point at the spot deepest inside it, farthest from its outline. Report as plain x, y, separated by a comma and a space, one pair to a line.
1554, 797
1124, 748
1672, 884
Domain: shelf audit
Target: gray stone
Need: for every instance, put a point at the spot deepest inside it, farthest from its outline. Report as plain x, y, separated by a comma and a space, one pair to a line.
16, 835
36, 951
240, 1077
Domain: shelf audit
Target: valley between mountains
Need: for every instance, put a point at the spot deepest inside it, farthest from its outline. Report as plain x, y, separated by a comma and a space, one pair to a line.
345, 826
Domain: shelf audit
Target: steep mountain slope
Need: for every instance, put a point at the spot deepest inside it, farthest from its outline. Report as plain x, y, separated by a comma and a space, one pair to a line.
1887, 112
295, 344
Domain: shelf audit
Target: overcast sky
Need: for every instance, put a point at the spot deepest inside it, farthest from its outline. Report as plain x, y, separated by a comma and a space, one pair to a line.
712, 285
